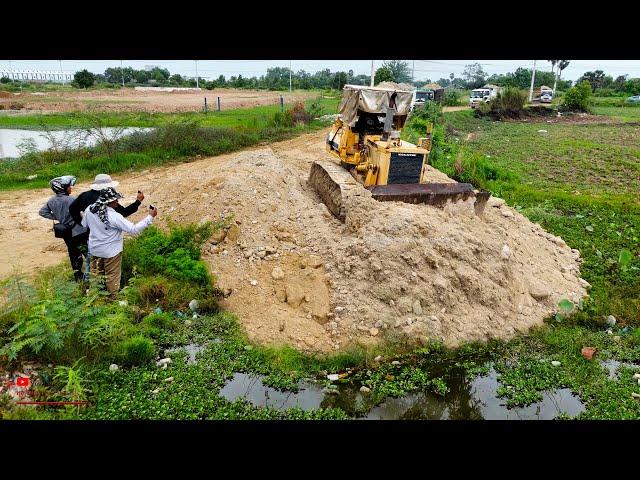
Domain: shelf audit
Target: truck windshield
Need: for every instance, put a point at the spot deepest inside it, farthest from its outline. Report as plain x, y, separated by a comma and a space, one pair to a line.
423, 95
479, 93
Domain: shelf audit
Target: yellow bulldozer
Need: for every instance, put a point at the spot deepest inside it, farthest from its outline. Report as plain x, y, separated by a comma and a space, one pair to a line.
365, 140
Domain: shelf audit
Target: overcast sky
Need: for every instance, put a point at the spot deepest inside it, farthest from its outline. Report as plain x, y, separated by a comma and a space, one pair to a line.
424, 69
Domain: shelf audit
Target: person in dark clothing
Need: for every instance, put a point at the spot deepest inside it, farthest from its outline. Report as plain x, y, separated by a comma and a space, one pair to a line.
89, 197
57, 208
80, 204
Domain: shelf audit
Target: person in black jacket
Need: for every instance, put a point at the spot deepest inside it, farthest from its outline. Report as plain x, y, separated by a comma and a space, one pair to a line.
89, 197
79, 205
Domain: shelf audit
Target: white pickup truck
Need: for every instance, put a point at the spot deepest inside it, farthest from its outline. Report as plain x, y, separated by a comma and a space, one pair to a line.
482, 95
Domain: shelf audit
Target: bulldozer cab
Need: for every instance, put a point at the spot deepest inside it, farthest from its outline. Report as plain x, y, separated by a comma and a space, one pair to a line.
363, 112
363, 108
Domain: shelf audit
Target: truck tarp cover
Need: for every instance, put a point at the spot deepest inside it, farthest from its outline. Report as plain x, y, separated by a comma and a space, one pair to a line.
374, 100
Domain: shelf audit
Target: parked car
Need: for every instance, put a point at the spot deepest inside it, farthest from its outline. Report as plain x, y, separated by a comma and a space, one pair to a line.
546, 97
634, 99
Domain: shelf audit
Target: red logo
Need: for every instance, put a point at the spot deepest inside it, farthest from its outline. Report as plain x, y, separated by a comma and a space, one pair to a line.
23, 382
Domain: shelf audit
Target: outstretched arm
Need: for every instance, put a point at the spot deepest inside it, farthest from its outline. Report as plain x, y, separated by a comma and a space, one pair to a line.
129, 227
126, 211
133, 208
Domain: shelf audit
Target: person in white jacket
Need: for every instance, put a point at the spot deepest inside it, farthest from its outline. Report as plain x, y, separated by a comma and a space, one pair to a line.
106, 232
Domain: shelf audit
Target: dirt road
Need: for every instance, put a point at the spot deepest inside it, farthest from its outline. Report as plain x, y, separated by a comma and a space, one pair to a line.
129, 100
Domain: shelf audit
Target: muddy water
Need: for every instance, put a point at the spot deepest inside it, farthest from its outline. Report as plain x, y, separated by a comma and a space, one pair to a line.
15, 142
467, 399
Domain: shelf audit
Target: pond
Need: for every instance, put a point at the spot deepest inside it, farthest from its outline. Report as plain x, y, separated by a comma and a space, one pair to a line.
16, 142
467, 399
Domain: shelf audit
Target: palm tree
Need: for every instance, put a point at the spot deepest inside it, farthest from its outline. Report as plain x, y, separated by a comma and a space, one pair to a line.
553, 64
562, 64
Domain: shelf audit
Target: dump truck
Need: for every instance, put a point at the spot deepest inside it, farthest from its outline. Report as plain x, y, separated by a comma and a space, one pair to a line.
368, 153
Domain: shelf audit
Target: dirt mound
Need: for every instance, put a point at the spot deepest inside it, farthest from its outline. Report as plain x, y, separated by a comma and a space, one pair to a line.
6, 95
299, 276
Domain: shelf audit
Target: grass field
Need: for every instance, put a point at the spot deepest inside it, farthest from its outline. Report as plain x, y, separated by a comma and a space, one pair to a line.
255, 117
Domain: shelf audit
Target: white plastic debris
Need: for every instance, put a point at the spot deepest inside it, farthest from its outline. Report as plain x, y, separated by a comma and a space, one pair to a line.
193, 305
113, 367
164, 361
555, 363
333, 377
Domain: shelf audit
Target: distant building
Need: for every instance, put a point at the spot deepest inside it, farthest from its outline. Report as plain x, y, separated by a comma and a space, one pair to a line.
36, 75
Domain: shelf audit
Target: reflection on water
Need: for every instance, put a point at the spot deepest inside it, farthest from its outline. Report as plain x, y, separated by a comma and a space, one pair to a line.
15, 142
473, 399
251, 388
192, 350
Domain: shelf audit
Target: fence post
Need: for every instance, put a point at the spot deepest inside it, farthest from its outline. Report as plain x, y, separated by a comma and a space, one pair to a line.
218, 103
282, 103
205, 104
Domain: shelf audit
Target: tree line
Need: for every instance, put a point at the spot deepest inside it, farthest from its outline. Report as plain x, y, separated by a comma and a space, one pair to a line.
279, 78
276, 78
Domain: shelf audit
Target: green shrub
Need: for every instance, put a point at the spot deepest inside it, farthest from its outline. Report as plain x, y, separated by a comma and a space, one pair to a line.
137, 350
62, 323
83, 79
469, 167
416, 127
154, 291
510, 99
451, 97
176, 255
509, 103
429, 112
164, 321
578, 98
606, 92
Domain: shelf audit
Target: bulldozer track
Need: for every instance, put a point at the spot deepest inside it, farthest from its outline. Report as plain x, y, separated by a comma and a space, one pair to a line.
334, 185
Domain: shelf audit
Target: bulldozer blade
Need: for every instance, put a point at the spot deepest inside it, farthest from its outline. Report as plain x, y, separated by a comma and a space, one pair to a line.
436, 194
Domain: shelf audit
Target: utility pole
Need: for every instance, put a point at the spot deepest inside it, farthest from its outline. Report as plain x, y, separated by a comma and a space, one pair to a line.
289, 76
197, 80
372, 73
413, 68
62, 74
122, 72
533, 79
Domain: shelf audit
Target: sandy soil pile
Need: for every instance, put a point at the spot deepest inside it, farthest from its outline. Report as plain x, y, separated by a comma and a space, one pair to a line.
300, 276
